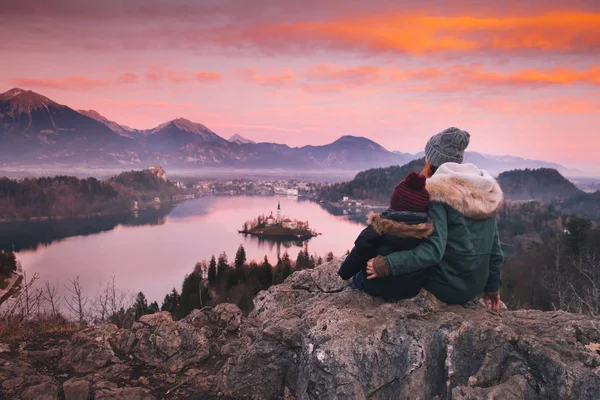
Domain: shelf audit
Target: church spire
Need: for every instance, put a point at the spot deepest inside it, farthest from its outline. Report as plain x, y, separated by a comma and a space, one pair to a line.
278, 212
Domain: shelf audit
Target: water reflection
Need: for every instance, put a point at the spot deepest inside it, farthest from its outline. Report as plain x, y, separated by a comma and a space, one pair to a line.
274, 245
31, 235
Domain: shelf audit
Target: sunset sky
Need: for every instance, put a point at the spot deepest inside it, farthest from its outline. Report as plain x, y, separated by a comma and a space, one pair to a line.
522, 76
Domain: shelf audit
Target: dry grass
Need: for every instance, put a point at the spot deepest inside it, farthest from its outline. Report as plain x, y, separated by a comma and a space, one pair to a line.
20, 328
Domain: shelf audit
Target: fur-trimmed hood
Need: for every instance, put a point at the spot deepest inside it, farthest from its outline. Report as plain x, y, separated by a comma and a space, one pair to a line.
399, 228
472, 192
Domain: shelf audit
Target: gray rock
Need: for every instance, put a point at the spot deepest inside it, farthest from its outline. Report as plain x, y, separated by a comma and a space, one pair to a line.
230, 316
156, 340
89, 350
43, 391
76, 389
12, 384
205, 317
322, 342
110, 391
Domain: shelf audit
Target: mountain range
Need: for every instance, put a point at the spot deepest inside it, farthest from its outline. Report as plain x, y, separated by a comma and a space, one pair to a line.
35, 130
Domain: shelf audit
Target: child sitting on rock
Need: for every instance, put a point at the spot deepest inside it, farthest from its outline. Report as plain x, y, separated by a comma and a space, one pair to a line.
402, 227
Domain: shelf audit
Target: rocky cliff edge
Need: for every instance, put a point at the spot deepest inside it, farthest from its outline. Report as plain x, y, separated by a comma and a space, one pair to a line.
310, 339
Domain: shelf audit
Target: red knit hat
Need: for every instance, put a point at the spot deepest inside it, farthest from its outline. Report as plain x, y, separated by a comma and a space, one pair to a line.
410, 194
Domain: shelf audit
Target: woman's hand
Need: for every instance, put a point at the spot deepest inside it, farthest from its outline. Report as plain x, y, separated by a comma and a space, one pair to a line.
492, 300
377, 268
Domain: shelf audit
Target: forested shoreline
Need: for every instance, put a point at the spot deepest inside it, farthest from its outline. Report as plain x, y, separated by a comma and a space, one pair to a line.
66, 197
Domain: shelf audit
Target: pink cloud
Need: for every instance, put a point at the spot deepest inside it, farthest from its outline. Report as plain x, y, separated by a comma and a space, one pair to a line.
152, 104
327, 78
158, 74
275, 80
204, 76
128, 77
66, 83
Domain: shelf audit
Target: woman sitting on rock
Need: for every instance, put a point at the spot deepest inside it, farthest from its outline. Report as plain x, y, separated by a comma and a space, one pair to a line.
462, 257
403, 226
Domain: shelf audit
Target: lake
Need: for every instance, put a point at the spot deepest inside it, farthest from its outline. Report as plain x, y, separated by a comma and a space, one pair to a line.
155, 250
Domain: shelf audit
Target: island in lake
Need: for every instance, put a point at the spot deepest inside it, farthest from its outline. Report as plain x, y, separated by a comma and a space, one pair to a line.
278, 227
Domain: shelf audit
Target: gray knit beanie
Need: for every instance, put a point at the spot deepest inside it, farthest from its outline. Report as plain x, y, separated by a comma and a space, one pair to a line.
447, 146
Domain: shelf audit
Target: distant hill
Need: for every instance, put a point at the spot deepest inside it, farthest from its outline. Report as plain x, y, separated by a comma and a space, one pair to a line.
359, 152
70, 197
586, 204
544, 184
374, 184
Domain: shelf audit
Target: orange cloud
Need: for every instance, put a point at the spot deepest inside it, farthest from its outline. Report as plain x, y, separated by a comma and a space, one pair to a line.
423, 34
68, 83
324, 78
208, 76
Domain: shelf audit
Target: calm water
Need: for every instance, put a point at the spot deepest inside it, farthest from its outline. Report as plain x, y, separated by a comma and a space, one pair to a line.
153, 252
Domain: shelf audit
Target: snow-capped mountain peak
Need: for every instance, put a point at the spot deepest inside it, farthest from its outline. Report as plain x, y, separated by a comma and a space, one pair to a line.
240, 140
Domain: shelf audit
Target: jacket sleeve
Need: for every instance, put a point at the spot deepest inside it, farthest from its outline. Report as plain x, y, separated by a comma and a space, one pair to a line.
496, 261
428, 253
365, 248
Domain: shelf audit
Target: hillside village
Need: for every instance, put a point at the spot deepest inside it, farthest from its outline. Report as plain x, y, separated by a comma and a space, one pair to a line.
259, 187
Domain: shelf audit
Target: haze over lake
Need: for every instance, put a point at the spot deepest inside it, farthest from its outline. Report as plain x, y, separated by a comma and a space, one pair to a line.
155, 258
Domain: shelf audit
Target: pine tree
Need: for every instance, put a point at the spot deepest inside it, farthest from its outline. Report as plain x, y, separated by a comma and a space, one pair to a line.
301, 259
319, 260
267, 274
222, 265
190, 293
171, 303
240, 258
153, 308
578, 228
140, 306
278, 273
8, 262
330, 257
212, 271
286, 266
205, 297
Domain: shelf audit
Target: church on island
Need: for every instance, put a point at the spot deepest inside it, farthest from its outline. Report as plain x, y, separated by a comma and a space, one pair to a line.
278, 226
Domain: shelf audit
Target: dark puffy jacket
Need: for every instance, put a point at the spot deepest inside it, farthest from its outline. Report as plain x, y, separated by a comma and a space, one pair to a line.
387, 232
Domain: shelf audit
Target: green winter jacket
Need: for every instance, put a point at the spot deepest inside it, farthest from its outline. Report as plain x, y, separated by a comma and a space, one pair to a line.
464, 248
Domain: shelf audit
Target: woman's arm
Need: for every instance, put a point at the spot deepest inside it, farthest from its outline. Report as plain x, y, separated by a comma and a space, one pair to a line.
365, 248
425, 255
